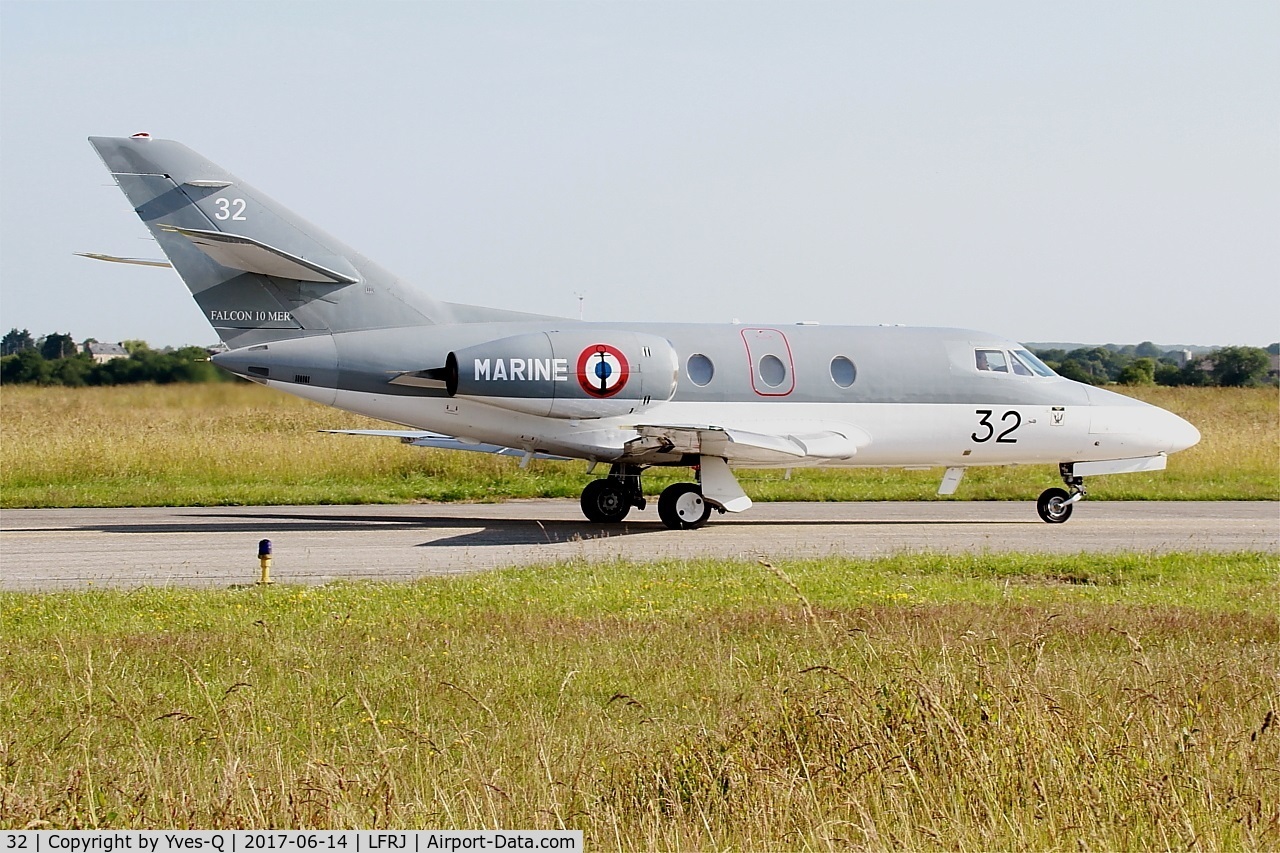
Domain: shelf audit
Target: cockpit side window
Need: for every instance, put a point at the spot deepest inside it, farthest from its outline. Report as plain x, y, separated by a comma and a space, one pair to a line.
993, 360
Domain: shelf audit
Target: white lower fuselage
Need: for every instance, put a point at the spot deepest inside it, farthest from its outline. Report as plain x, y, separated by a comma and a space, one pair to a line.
901, 434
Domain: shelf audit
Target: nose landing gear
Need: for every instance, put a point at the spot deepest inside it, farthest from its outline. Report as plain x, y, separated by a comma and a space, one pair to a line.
1055, 505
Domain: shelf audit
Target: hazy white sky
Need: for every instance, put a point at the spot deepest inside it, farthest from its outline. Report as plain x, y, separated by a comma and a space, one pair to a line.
1093, 172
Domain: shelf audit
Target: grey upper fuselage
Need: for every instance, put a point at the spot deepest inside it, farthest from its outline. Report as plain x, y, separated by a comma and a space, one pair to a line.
892, 364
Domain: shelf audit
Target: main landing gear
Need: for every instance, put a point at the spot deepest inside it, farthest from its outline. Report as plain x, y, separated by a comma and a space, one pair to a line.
608, 500
1055, 505
681, 506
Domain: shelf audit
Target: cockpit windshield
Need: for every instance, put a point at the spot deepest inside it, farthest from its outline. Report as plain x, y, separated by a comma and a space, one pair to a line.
1036, 365
1018, 362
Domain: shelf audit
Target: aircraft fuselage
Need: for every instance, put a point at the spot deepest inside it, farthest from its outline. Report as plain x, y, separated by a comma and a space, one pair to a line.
302, 312
914, 395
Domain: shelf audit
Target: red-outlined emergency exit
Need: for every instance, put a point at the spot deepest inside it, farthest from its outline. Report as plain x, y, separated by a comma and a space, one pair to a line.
772, 368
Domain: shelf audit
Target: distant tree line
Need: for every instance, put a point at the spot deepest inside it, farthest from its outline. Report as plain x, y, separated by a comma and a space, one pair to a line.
1146, 364
58, 360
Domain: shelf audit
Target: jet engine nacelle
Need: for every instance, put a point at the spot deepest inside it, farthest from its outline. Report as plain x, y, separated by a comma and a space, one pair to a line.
580, 373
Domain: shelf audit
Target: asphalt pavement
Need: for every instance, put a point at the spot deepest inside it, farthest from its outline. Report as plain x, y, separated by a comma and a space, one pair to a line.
218, 546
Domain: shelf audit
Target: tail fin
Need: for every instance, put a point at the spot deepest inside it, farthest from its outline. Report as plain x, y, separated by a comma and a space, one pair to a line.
259, 272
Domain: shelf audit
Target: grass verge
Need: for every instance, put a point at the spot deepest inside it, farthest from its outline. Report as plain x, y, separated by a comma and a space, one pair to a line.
241, 444
920, 702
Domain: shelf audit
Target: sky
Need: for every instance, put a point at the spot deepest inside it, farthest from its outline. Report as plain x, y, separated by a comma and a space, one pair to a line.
1088, 172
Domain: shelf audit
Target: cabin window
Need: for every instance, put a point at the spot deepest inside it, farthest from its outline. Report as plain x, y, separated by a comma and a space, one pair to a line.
993, 360
700, 369
843, 371
772, 371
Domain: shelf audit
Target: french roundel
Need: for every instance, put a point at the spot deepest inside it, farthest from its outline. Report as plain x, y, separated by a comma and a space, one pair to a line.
602, 370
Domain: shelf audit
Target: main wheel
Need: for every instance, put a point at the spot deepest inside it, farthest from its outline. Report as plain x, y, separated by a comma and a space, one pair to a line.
681, 507
1052, 506
605, 501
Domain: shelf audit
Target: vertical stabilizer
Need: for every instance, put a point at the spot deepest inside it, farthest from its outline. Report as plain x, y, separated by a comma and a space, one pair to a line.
258, 271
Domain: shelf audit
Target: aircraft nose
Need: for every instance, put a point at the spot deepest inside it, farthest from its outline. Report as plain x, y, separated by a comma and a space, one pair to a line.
1179, 433
1162, 431
1123, 422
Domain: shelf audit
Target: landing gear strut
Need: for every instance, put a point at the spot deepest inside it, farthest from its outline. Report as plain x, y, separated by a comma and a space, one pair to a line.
608, 500
1055, 505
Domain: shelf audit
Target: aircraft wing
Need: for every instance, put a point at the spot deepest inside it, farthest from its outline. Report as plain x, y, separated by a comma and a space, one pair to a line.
419, 438
661, 442
737, 445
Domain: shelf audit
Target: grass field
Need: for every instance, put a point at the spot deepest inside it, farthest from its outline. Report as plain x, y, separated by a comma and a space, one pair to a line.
922, 702
242, 444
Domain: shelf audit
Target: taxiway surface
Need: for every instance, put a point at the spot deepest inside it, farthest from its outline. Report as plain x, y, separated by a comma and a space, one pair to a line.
217, 546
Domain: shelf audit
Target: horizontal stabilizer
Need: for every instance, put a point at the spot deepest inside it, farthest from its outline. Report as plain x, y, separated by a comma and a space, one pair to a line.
116, 259
418, 438
245, 253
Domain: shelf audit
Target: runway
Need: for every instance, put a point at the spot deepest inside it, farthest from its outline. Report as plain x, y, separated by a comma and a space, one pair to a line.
217, 546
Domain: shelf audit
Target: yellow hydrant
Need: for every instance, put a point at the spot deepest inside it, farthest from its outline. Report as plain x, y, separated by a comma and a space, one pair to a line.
264, 560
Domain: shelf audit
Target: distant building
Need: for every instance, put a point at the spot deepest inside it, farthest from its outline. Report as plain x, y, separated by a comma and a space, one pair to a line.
102, 353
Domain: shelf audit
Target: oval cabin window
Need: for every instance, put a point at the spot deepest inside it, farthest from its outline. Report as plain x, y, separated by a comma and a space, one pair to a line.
843, 372
700, 369
772, 371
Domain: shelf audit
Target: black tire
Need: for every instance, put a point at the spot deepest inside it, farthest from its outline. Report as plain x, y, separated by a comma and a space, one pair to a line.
681, 507
1050, 506
605, 501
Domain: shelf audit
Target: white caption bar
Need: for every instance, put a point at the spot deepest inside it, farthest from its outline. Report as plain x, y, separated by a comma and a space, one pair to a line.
293, 841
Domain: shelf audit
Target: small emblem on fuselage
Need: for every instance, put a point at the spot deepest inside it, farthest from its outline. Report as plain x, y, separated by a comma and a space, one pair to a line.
602, 370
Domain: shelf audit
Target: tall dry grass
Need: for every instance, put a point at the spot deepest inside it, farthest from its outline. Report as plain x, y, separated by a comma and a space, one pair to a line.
972, 703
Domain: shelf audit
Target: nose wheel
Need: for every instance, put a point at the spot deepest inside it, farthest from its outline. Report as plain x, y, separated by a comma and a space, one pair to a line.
1055, 505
